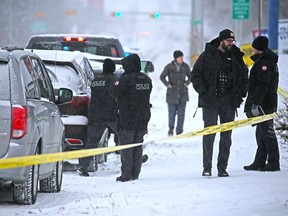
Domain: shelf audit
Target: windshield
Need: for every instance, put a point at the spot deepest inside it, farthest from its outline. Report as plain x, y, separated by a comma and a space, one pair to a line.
103, 49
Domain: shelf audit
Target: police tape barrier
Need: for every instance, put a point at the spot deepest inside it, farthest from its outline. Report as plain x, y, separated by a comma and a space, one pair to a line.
54, 157
226, 126
282, 92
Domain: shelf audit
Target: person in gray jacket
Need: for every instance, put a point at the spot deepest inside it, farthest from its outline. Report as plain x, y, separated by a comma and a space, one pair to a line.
178, 74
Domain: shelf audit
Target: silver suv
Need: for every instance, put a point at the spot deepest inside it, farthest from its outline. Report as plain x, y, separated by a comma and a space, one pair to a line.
30, 123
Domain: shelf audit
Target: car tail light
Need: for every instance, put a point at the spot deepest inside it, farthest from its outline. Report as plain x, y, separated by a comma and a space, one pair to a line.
19, 122
80, 101
79, 39
74, 141
84, 101
80, 105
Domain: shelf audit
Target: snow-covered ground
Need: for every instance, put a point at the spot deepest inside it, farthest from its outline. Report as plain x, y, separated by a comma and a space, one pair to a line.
170, 182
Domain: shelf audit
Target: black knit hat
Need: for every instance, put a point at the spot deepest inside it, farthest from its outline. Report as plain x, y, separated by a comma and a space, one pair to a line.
260, 43
225, 34
108, 66
177, 53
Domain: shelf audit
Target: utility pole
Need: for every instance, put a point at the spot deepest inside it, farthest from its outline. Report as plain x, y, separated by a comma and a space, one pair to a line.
259, 16
197, 31
192, 44
273, 23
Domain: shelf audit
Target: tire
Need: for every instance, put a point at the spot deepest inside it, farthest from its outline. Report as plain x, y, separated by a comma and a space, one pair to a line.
53, 183
104, 143
25, 193
93, 166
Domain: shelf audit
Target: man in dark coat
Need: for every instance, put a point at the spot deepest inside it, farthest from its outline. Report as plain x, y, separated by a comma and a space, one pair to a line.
102, 113
177, 91
132, 92
262, 92
221, 79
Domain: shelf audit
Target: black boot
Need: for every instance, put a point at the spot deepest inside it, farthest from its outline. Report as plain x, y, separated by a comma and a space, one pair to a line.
269, 167
223, 173
251, 167
122, 179
206, 172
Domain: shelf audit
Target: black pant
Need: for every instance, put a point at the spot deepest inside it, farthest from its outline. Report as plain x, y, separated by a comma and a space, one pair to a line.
95, 132
131, 158
226, 113
267, 145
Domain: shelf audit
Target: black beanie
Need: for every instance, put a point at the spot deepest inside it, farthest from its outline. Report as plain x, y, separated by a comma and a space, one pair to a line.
225, 34
260, 43
177, 53
108, 66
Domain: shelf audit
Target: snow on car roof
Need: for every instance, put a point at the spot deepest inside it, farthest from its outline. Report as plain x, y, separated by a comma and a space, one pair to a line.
57, 55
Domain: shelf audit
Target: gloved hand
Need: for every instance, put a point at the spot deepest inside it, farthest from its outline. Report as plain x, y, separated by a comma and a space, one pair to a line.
169, 86
255, 110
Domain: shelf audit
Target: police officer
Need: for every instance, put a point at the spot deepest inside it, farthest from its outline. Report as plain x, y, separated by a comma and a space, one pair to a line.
262, 92
221, 79
132, 91
102, 113
178, 74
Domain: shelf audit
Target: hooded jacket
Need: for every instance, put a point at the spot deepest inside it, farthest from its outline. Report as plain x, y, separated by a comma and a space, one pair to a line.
178, 93
205, 74
132, 92
103, 107
263, 82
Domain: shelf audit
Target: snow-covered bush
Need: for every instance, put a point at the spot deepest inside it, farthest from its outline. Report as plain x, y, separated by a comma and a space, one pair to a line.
281, 125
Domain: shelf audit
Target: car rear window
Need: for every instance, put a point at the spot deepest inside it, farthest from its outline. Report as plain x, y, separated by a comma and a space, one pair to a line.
60, 74
4, 81
103, 49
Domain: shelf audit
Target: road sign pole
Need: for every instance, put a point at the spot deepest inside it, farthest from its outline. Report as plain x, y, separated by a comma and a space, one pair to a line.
273, 23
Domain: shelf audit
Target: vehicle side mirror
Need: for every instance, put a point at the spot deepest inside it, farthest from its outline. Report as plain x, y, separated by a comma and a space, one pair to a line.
64, 95
147, 66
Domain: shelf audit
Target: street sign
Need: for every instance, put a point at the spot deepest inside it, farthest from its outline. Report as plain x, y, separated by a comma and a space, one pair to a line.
241, 9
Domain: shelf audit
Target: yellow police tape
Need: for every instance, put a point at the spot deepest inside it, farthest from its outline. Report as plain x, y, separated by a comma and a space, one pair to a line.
226, 126
54, 157
282, 92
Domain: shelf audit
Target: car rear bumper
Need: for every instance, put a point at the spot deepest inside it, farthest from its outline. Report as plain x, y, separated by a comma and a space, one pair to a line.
75, 120
18, 174
75, 137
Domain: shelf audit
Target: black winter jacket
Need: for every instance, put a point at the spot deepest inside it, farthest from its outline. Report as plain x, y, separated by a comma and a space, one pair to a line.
132, 91
205, 74
263, 82
178, 93
103, 107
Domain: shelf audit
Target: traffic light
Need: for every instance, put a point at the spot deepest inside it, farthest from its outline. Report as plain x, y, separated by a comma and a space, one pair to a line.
118, 13
157, 15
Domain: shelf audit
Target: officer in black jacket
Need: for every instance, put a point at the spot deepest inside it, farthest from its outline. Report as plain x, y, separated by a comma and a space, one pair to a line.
103, 111
221, 79
132, 91
262, 92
